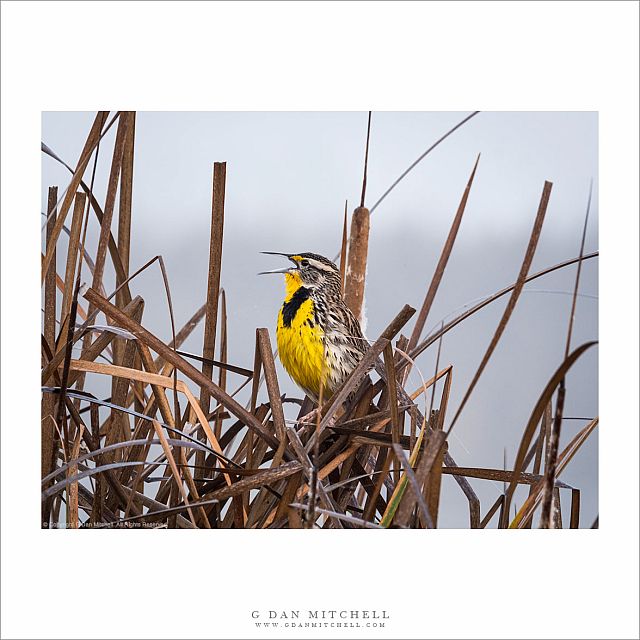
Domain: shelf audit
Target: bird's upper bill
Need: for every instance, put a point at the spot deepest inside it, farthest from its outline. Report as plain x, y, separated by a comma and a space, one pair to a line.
290, 270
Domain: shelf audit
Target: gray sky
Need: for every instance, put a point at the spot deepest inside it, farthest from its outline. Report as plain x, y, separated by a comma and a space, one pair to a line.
288, 175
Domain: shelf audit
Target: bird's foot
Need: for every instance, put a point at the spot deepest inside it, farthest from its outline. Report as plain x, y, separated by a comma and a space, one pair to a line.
311, 417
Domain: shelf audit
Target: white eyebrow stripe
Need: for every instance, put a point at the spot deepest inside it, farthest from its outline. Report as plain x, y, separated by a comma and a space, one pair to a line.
319, 265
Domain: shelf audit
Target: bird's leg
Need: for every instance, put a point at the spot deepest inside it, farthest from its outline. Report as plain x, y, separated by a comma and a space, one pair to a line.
311, 417
308, 424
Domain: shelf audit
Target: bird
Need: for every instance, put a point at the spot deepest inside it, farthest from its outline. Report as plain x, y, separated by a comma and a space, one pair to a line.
319, 339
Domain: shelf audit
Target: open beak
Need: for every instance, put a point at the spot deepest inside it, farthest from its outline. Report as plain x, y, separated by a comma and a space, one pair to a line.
275, 253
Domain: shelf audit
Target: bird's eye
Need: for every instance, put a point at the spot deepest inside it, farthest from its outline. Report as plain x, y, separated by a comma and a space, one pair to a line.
304, 263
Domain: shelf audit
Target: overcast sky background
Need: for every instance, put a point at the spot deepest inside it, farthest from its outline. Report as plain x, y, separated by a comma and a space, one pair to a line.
288, 176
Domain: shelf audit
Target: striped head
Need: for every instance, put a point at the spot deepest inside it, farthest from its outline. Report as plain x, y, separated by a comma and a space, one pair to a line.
309, 270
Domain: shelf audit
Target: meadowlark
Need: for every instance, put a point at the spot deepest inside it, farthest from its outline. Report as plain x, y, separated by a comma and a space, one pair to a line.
319, 340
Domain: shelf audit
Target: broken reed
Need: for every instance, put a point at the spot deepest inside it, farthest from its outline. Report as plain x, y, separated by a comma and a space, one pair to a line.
374, 461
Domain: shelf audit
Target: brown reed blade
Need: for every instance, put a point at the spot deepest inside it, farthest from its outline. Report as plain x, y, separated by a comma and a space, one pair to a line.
213, 279
574, 522
72, 253
524, 270
492, 511
49, 334
273, 389
442, 264
372, 500
224, 355
112, 187
117, 425
124, 205
393, 405
213, 282
499, 475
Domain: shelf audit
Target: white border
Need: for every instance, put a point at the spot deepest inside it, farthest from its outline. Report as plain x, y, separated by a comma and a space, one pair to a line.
321, 55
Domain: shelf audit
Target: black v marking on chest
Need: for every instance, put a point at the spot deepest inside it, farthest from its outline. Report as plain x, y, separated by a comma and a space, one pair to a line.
289, 309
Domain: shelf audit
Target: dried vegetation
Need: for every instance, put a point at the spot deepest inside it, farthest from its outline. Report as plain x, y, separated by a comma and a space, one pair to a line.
164, 451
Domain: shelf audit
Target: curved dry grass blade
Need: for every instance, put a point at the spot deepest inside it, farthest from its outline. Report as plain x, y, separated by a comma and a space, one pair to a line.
534, 419
525, 513
120, 333
114, 447
59, 486
425, 344
418, 160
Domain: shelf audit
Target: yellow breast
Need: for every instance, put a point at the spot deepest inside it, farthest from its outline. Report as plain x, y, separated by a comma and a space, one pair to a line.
300, 342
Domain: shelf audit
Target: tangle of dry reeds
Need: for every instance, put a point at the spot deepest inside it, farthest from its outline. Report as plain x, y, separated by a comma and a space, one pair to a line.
167, 452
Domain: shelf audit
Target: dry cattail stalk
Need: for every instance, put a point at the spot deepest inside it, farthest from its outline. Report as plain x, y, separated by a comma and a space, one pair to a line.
357, 262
